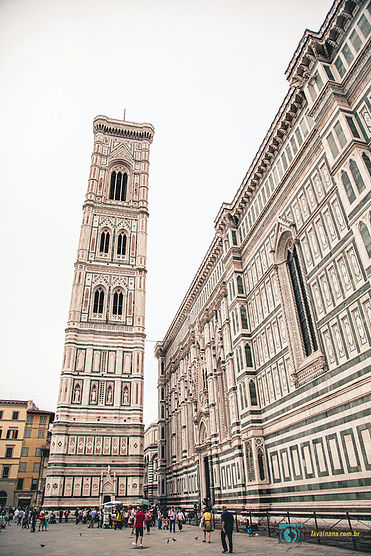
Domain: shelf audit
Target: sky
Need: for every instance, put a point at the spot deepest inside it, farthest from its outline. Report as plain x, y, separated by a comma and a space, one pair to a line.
208, 74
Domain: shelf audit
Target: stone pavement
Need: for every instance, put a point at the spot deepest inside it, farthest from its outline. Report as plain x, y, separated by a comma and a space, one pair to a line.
78, 540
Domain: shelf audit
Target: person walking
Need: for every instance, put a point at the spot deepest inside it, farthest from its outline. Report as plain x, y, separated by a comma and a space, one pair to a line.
172, 518
34, 515
159, 519
180, 518
227, 529
138, 526
147, 521
207, 525
93, 515
60, 516
42, 521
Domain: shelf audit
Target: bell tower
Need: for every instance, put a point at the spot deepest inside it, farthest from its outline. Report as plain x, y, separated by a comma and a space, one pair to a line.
98, 431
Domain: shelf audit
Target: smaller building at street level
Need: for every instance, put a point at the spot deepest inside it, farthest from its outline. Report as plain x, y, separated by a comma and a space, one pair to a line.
264, 373
24, 449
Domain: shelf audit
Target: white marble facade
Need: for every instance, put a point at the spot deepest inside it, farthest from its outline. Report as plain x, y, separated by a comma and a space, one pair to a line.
264, 373
97, 443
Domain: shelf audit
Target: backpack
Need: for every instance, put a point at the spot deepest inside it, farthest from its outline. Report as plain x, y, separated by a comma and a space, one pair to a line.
207, 516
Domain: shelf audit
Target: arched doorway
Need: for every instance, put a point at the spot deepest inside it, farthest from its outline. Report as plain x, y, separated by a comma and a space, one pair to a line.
205, 490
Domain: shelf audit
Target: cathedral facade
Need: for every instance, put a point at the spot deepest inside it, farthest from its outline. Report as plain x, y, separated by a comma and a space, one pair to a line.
264, 373
96, 452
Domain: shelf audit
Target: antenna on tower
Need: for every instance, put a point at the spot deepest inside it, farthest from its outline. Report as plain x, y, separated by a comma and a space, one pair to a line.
124, 114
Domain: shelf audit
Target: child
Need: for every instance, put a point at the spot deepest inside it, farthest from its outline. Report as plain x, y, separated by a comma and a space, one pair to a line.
248, 528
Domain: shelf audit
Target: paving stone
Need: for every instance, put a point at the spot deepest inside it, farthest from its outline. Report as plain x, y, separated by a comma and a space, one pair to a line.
78, 540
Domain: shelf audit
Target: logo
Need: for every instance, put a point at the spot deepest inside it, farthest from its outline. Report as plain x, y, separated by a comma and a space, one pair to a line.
291, 532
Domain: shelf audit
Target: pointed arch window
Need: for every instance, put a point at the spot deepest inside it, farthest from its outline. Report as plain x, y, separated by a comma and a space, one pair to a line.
121, 244
118, 186
348, 186
248, 356
358, 180
104, 242
239, 285
261, 465
98, 301
365, 234
301, 301
250, 462
118, 299
243, 316
253, 393
367, 162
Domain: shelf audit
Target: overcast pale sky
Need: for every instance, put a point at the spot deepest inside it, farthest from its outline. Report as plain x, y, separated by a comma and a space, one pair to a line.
208, 74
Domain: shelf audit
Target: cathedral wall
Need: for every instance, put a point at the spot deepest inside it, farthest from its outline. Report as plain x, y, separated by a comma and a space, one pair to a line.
264, 373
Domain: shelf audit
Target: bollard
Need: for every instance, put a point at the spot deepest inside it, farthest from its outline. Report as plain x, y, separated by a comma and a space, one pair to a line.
351, 530
315, 521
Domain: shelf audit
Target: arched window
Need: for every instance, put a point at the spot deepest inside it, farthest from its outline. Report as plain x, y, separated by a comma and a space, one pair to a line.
233, 323
98, 301
239, 284
243, 316
118, 186
250, 462
244, 394
238, 362
162, 433
117, 302
357, 176
162, 411
367, 161
121, 244
112, 185
162, 456
261, 465
302, 305
248, 356
253, 393
162, 393
241, 396
366, 237
104, 242
348, 186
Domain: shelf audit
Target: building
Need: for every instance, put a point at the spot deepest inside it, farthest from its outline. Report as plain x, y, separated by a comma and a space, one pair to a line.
264, 372
13, 415
151, 462
23, 435
33, 453
96, 452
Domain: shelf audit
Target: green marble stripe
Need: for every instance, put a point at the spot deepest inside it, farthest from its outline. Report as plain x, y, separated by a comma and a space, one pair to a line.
343, 410
343, 305
98, 408
325, 377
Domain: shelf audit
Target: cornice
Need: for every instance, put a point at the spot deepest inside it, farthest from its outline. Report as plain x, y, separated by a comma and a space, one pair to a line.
322, 44
122, 128
312, 47
286, 117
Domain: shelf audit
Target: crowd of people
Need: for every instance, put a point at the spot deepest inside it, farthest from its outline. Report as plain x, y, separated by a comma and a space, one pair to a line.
138, 519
